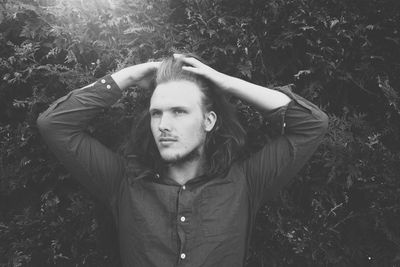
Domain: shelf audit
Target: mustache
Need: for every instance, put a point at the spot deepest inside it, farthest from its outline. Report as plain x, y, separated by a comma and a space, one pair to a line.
167, 137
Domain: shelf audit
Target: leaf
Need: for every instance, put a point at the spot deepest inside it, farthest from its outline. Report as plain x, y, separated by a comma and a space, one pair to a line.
333, 23
302, 73
308, 28
139, 29
390, 94
70, 58
245, 69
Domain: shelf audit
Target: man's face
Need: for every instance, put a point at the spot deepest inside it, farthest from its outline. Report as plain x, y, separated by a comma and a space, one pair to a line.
178, 122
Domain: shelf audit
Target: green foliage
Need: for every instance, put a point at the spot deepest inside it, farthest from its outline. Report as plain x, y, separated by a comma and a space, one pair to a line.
343, 209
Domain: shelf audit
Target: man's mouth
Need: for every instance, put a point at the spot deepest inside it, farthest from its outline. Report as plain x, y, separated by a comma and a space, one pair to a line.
167, 140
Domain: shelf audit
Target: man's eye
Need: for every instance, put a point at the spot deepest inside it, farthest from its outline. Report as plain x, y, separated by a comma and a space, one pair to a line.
179, 111
155, 113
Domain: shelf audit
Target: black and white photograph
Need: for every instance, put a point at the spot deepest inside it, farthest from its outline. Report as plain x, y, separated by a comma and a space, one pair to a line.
200, 133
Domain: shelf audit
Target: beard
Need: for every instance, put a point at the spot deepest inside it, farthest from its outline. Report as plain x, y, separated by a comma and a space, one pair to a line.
182, 159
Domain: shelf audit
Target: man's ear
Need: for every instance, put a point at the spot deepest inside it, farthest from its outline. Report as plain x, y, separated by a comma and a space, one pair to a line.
210, 120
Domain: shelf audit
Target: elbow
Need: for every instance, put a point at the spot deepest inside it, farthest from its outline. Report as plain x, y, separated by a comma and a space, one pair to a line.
322, 126
320, 129
43, 123
324, 122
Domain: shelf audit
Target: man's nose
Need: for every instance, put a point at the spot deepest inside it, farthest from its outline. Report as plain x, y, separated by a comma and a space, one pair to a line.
165, 123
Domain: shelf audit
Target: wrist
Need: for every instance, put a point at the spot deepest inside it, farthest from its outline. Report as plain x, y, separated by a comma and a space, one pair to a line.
226, 83
123, 78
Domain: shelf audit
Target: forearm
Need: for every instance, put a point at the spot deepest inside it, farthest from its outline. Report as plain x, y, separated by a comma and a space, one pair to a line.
302, 127
301, 121
74, 110
71, 113
139, 75
123, 78
260, 97
62, 126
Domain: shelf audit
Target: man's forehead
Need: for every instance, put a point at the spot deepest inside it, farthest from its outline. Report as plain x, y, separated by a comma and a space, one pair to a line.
176, 93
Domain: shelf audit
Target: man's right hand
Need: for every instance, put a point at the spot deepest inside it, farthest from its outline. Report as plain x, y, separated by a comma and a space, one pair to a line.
140, 75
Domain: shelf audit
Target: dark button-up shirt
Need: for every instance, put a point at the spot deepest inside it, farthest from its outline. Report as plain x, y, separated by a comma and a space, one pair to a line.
206, 222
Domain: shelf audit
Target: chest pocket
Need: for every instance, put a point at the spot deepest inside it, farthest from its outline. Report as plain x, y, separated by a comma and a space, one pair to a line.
219, 208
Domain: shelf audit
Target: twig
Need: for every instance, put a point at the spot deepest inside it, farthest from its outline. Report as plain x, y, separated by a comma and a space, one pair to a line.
362, 88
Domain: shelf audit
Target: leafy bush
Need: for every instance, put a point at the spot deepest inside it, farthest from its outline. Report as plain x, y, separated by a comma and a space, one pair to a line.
343, 209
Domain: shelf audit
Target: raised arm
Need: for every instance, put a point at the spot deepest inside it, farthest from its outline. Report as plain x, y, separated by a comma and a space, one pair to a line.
302, 125
260, 97
62, 127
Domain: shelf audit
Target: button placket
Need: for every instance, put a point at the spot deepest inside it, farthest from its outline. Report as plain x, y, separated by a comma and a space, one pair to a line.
183, 220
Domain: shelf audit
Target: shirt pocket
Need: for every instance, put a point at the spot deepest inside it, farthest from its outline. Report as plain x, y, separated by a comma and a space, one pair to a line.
219, 209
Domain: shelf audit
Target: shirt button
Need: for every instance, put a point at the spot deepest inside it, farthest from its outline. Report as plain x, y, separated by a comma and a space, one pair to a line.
108, 86
183, 219
103, 81
183, 256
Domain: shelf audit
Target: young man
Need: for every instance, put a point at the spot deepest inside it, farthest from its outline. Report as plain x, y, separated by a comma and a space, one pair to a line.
181, 196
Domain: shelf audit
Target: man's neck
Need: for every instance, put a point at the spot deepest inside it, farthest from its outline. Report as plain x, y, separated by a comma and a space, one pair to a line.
185, 171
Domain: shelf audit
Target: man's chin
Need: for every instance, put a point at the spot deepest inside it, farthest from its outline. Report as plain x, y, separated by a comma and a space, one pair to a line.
179, 159
170, 159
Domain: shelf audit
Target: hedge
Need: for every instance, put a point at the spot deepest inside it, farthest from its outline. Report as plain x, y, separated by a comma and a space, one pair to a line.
342, 209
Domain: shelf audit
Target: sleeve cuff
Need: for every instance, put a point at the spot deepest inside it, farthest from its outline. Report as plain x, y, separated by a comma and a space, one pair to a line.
277, 116
108, 83
103, 92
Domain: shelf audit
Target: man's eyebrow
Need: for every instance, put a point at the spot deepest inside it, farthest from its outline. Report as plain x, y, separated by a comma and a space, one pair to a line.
169, 108
180, 107
152, 109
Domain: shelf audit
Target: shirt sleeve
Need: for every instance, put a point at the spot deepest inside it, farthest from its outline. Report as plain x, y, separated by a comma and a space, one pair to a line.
302, 126
62, 127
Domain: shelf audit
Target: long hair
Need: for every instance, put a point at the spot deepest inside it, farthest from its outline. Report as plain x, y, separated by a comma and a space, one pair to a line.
222, 144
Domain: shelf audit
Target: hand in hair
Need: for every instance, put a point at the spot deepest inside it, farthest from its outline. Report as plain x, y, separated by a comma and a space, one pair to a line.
195, 66
258, 96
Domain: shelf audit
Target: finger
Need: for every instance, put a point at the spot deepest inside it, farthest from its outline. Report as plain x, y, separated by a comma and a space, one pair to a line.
185, 59
178, 56
192, 70
192, 61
